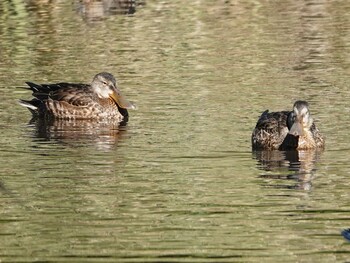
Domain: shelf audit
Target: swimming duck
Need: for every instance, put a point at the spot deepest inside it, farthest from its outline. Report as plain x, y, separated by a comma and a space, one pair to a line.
99, 100
286, 130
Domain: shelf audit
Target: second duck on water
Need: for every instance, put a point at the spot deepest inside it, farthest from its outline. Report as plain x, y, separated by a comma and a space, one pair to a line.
99, 100
287, 130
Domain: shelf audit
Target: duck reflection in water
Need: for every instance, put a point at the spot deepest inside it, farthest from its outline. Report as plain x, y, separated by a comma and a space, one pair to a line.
295, 165
288, 140
101, 135
97, 9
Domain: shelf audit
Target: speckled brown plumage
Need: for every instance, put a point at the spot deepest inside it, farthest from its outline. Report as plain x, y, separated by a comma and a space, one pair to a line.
270, 130
99, 100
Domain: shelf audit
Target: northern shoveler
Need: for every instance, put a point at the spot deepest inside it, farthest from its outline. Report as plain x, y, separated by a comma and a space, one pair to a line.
287, 130
99, 100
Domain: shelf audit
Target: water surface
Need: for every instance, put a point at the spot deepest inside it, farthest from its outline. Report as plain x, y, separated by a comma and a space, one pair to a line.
179, 182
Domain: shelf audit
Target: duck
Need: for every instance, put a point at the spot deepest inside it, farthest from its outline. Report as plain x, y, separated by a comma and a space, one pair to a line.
99, 100
287, 130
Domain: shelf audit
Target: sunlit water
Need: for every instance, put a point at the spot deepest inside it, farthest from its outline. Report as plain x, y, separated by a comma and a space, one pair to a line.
179, 182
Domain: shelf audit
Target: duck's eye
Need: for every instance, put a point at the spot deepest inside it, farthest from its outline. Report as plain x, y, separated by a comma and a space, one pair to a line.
104, 82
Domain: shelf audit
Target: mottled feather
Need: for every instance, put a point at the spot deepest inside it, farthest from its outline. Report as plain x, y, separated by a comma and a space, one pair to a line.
77, 101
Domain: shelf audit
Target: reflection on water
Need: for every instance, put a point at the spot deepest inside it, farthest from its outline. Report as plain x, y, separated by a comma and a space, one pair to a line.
105, 135
293, 165
95, 10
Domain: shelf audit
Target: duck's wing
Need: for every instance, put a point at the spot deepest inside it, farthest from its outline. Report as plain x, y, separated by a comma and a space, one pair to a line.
42, 91
71, 93
270, 130
264, 116
272, 120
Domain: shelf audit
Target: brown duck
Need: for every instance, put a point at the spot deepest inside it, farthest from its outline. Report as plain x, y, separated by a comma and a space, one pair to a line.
286, 130
99, 100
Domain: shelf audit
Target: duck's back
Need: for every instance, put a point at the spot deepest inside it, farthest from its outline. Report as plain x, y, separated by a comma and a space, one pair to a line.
59, 91
270, 130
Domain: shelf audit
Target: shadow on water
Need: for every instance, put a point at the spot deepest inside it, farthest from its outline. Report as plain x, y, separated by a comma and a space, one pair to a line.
293, 165
104, 135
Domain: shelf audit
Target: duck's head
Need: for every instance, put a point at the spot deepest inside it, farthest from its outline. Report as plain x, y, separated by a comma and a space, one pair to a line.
105, 86
299, 120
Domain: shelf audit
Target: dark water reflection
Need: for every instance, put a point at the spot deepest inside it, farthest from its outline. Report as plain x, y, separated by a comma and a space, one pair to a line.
103, 134
298, 166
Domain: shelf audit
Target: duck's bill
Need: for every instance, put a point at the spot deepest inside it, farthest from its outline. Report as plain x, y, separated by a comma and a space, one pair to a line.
122, 101
296, 129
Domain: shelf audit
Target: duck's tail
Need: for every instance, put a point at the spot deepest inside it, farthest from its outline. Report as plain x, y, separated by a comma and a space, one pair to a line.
31, 105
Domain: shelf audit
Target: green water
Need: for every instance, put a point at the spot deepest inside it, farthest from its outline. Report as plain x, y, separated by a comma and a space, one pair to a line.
179, 182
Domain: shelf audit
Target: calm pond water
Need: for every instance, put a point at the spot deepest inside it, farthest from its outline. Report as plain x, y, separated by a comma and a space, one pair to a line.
179, 182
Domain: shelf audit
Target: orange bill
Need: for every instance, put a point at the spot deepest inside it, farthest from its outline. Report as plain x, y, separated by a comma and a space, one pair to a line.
122, 101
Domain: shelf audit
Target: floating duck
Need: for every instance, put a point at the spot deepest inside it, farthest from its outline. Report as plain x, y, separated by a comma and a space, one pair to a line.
286, 130
99, 100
